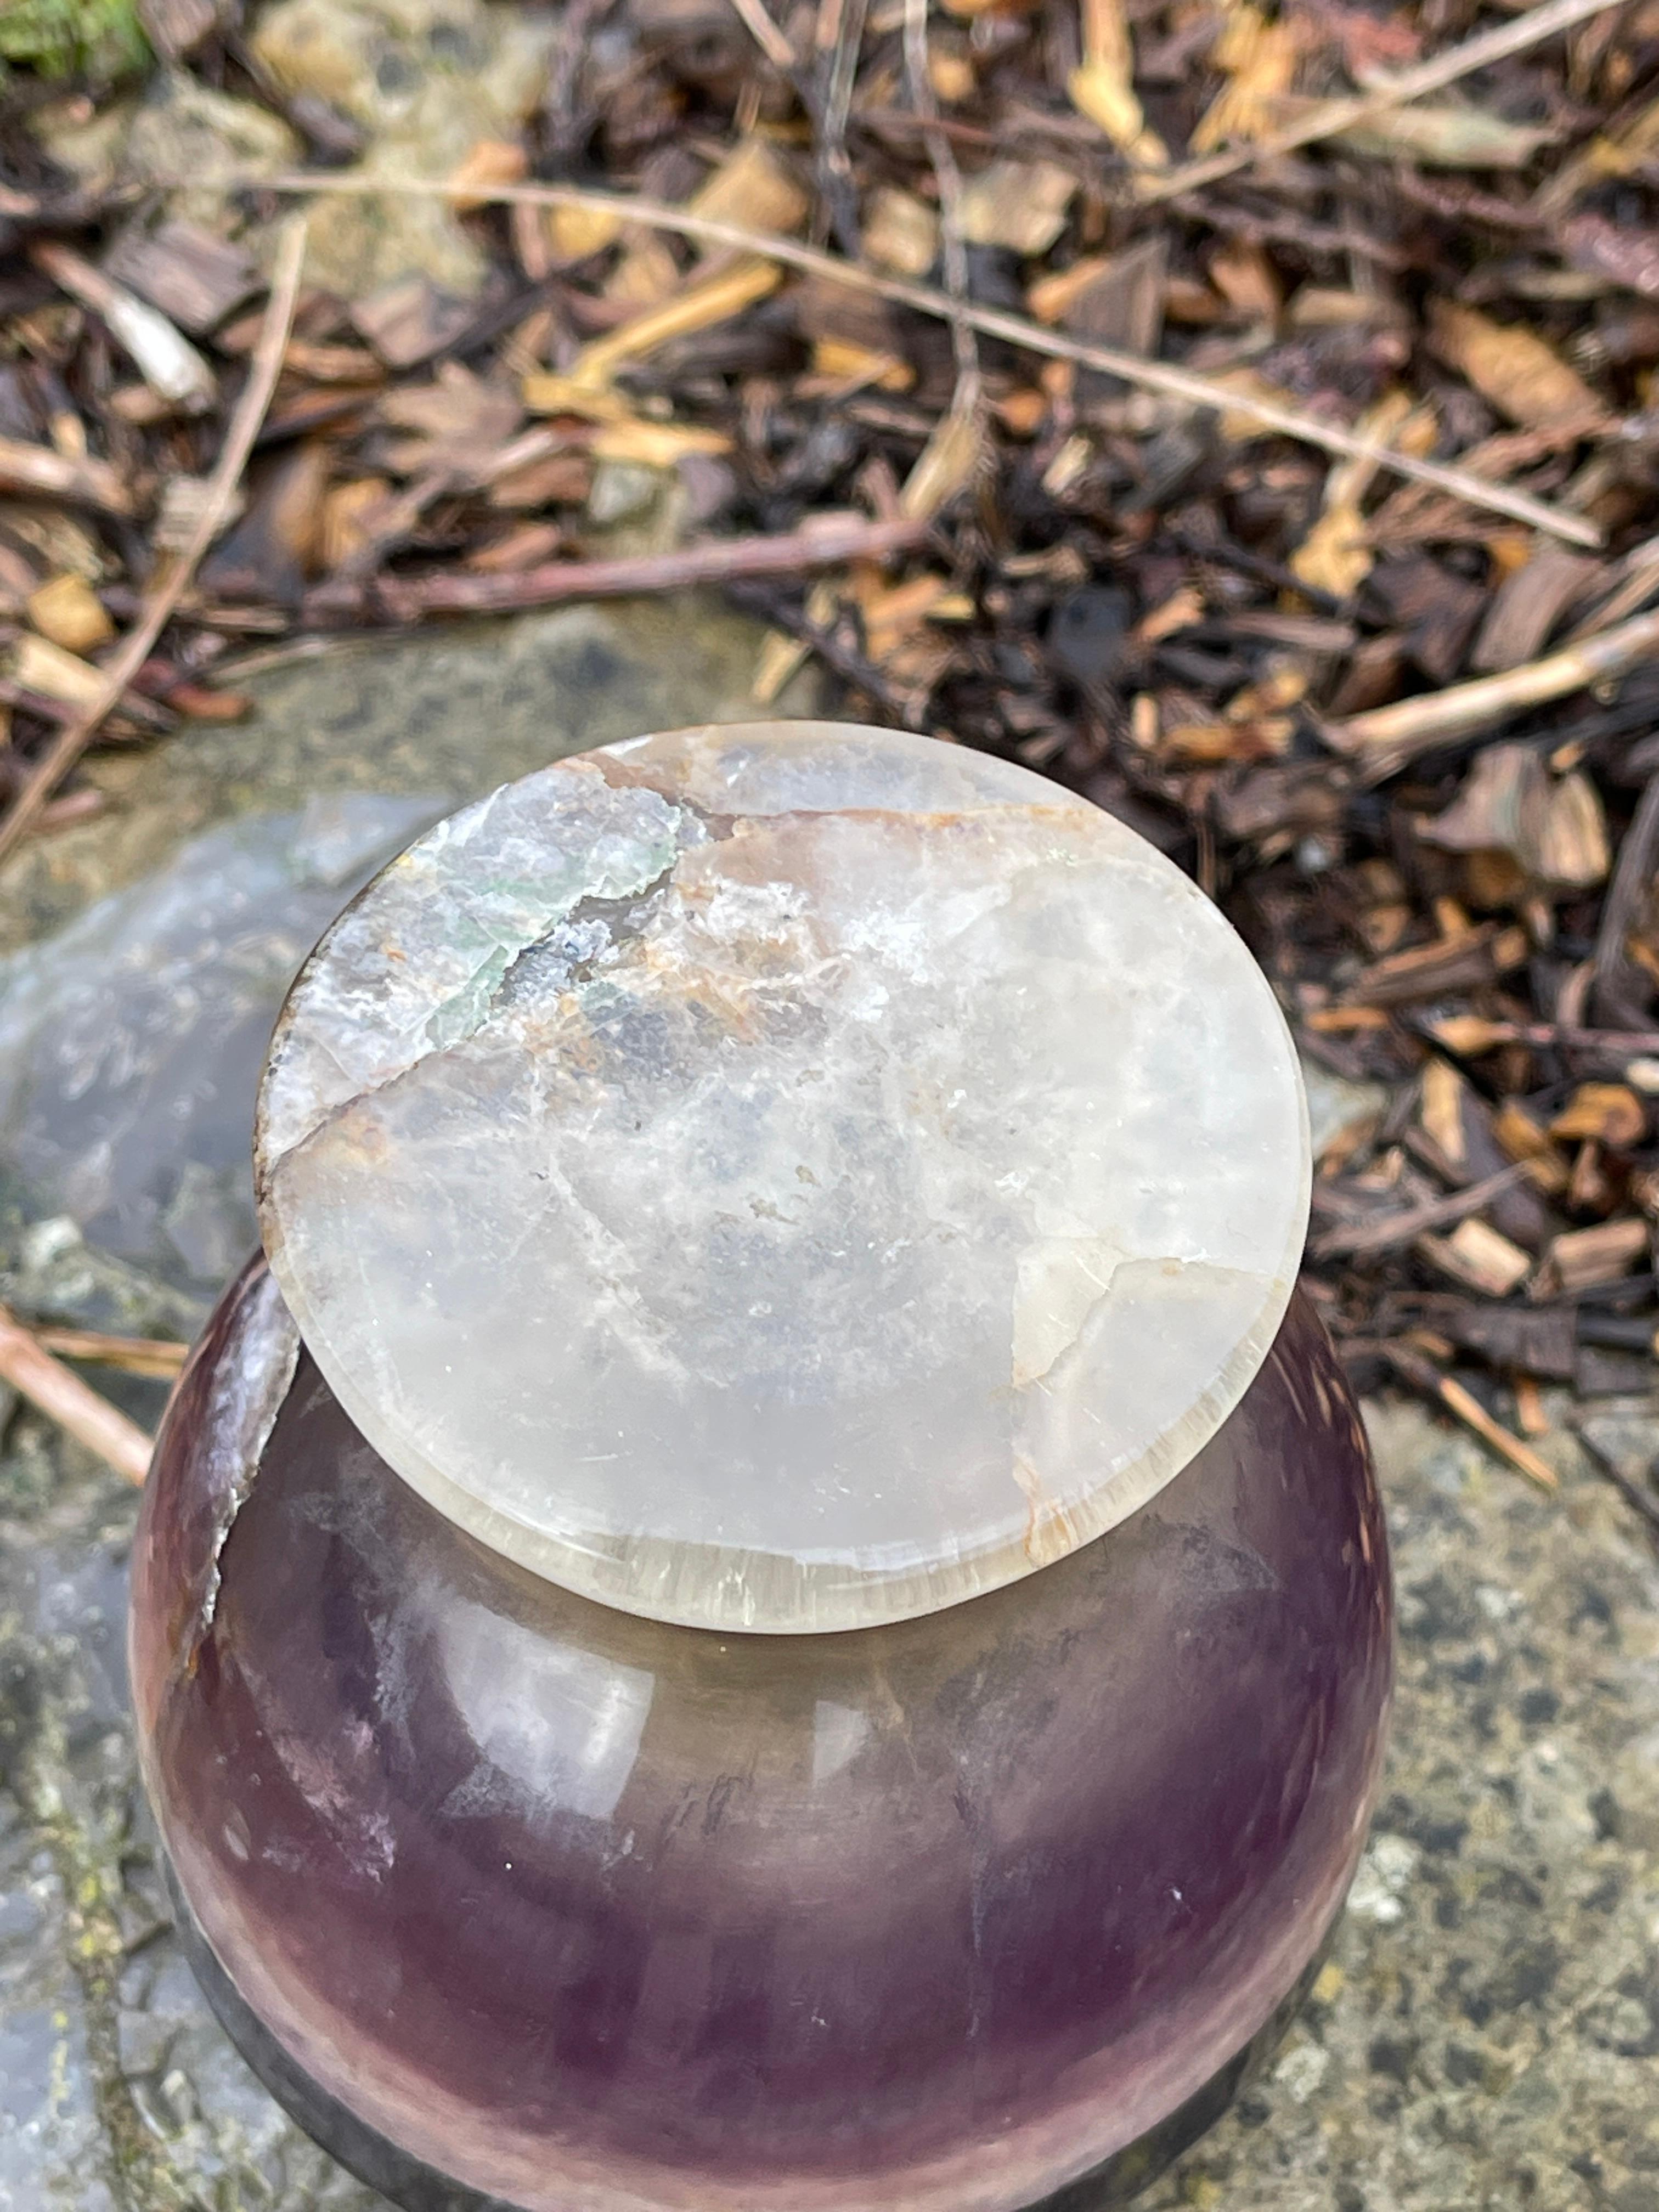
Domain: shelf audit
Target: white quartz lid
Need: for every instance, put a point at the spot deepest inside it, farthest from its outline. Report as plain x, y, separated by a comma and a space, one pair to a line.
785, 1176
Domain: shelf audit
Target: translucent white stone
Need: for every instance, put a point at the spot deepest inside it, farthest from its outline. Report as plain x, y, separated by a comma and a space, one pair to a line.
784, 1178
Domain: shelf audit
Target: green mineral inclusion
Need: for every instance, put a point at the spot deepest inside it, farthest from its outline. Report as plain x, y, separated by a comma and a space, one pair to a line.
519, 911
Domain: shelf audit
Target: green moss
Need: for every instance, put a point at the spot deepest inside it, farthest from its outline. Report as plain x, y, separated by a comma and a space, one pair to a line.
98, 39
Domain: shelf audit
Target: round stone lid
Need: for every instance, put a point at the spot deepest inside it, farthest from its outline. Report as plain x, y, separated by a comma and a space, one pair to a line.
784, 1176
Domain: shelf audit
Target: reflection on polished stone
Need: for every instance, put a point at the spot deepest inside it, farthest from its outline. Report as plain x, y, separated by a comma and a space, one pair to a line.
588, 1911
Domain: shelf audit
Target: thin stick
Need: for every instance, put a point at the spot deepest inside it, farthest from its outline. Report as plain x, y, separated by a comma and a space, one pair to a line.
159, 1355
949, 179
264, 369
1391, 736
1464, 1406
65, 1398
713, 560
1623, 903
839, 42
79, 478
1354, 1238
1332, 116
1468, 1034
766, 35
990, 322
1639, 1500
577, 21
64, 710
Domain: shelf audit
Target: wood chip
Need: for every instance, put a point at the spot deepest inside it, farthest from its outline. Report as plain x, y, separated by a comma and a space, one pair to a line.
348, 517
1021, 205
1425, 971
1528, 605
1583, 1257
698, 306
1539, 1340
647, 272
1531, 1415
1336, 555
1477, 1256
1443, 137
67, 612
561, 479
410, 321
654, 445
275, 546
1525, 1140
38, 664
574, 233
1554, 827
195, 278
945, 464
1610, 1113
754, 186
900, 231
168, 363
1513, 368
521, 546
80, 478
487, 162
1102, 86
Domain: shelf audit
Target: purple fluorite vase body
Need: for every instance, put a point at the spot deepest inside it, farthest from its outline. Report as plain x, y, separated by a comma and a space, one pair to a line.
595, 1914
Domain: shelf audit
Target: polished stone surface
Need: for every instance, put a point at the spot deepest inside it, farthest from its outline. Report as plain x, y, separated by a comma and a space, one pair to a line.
784, 1178
593, 1911
410, 2182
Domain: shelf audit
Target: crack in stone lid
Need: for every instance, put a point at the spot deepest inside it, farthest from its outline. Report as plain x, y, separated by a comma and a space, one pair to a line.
785, 1176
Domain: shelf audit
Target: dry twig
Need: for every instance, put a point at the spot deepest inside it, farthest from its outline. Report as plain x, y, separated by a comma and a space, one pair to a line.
1391, 1229
1464, 1406
990, 322
1387, 737
766, 35
1639, 1500
1332, 116
76, 477
824, 544
65, 1398
266, 365
159, 1356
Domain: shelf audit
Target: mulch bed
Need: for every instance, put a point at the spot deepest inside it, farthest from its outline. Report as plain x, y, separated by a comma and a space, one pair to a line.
1294, 501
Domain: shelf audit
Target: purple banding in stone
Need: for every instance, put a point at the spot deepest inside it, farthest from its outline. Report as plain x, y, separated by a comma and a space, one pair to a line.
593, 1913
